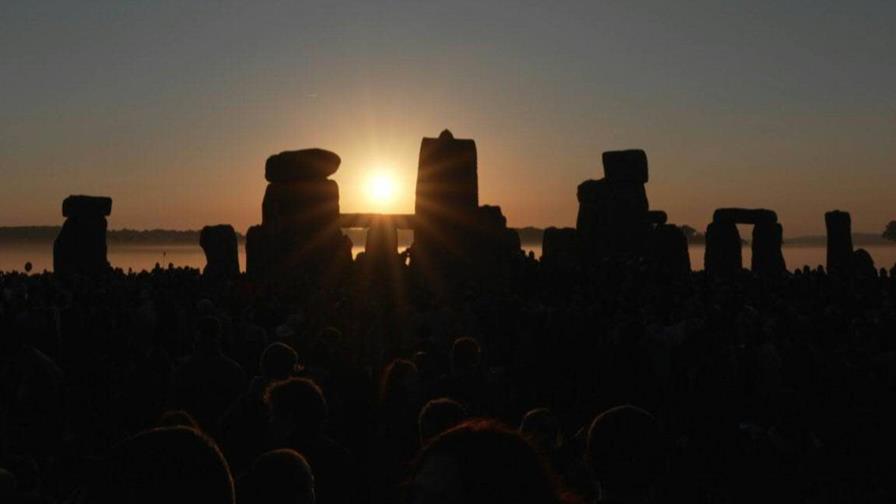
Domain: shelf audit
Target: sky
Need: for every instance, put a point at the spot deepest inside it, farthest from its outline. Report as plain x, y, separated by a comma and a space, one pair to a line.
171, 108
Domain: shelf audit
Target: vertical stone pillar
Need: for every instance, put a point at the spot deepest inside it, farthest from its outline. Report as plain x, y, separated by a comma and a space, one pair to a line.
80, 247
768, 259
221, 251
839, 233
723, 256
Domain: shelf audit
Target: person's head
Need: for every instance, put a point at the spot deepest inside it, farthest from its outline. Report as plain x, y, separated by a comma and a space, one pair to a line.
543, 429
437, 416
169, 464
466, 355
208, 335
278, 361
177, 418
479, 462
279, 477
297, 407
625, 450
398, 380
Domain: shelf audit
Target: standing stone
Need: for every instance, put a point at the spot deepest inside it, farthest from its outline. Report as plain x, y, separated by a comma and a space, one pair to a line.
669, 250
80, 247
491, 242
558, 246
839, 234
625, 166
613, 217
221, 251
447, 202
299, 232
723, 256
863, 264
768, 259
447, 179
382, 241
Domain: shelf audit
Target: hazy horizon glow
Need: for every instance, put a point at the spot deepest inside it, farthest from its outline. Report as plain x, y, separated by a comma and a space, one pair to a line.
172, 108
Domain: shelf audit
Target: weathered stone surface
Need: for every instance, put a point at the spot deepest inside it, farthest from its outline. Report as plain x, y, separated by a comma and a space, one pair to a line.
745, 216
625, 166
305, 164
315, 202
221, 251
80, 247
723, 255
767, 258
839, 241
558, 245
86, 206
669, 250
447, 181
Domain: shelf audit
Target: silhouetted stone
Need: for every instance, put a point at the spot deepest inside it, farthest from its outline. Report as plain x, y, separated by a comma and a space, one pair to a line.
657, 217
86, 206
723, 255
669, 250
80, 247
221, 251
447, 203
767, 258
447, 181
558, 245
612, 219
382, 240
305, 164
300, 231
625, 166
492, 242
745, 216
863, 264
839, 241
305, 202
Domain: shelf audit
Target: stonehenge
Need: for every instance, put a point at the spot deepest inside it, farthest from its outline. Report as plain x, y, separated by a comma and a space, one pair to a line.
558, 245
452, 232
299, 231
839, 241
80, 247
723, 256
615, 219
219, 243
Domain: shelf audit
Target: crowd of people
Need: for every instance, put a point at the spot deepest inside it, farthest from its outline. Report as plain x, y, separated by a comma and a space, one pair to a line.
543, 384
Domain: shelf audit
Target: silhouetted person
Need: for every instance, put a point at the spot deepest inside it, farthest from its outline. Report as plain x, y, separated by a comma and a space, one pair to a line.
481, 462
437, 416
465, 382
395, 441
298, 414
244, 426
175, 465
278, 477
209, 381
626, 453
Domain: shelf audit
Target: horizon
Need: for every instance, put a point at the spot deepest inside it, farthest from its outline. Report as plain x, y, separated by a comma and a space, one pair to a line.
172, 110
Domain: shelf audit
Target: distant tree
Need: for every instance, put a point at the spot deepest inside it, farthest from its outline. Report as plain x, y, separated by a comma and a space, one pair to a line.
890, 232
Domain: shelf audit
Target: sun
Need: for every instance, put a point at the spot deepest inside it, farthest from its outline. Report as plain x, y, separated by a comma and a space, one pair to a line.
381, 188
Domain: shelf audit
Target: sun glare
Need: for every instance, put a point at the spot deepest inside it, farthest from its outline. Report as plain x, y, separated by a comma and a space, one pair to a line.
381, 188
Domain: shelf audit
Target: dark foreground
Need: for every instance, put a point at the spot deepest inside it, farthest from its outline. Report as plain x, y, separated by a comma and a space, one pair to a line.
745, 390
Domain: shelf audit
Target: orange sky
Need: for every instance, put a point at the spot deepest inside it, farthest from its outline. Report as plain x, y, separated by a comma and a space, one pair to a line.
172, 110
